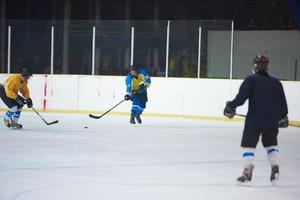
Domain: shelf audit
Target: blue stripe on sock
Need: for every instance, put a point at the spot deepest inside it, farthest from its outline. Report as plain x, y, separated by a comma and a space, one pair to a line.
9, 114
272, 150
247, 154
17, 114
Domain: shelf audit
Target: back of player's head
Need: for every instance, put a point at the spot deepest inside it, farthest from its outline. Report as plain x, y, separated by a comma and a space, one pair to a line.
133, 68
25, 71
260, 63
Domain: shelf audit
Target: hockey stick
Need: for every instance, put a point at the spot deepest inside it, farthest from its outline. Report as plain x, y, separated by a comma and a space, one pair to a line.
48, 123
98, 117
290, 124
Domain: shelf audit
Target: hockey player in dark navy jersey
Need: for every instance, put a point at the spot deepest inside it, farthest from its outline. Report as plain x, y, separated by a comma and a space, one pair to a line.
267, 111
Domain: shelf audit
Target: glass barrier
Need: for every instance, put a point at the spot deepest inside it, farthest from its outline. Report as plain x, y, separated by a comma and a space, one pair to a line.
30, 45
150, 46
3, 46
73, 48
112, 51
216, 49
184, 40
282, 48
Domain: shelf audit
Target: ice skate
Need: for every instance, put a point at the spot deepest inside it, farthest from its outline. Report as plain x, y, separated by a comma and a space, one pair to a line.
274, 174
132, 121
246, 176
138, 118
15, 125
7, 122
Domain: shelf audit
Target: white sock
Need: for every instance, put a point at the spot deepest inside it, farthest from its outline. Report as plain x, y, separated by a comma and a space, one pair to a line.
273, 155
16, 115
248, 156
9, 114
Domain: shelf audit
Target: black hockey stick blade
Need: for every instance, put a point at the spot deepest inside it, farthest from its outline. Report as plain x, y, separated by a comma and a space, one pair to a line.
48, 123
94, 116
54, 122
98, 117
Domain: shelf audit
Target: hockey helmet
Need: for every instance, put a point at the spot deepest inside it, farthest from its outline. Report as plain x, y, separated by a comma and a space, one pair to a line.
133, 68
260, 63
26, 72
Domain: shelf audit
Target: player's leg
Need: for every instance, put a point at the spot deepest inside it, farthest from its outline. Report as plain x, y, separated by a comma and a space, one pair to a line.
142, 105
8, 116
16, 116
11, 104
134, 109
269, 140
249, 141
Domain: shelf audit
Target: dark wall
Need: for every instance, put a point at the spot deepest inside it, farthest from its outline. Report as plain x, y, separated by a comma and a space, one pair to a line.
247, 14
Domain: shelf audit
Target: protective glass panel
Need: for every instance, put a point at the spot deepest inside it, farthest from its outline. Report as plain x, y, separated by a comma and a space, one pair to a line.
30, 45
112, 47
282, 48
150, 46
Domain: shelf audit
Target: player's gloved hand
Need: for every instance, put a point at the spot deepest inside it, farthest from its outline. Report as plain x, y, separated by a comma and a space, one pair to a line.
142, 88
284, 122
127, 97
29, 103
20, 100
229, 111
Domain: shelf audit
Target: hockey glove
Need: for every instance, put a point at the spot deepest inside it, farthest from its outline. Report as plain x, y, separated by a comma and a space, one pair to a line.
284, 122
229, 111
127, 97
20, 100
29, 103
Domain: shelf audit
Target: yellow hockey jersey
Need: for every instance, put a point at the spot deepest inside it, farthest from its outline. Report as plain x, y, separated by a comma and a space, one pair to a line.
14, 84
132, 83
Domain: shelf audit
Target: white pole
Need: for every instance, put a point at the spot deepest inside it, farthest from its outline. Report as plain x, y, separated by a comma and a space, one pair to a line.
132, 46
199, 52
93, 50
8, 49
52, 51
167, 48
231, 49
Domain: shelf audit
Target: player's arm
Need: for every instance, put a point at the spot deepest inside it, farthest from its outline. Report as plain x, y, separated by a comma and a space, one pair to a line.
284, 121
128, 88
284, 107
147, 79
26, 94
244, 93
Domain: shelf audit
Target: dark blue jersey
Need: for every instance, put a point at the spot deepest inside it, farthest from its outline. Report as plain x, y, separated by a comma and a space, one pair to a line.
267, 102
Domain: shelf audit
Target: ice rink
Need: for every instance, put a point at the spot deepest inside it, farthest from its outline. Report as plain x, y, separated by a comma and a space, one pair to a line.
162, 159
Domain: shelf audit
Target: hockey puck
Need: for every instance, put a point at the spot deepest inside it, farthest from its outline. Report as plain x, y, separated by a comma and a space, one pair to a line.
86, 127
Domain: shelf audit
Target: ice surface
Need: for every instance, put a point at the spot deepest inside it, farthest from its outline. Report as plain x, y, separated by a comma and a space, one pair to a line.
164, 158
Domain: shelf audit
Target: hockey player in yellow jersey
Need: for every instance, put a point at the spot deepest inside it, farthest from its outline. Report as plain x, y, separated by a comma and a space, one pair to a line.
137, 82
9, 93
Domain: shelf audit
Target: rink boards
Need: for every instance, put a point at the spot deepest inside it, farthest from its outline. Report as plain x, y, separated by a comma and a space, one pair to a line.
171, 97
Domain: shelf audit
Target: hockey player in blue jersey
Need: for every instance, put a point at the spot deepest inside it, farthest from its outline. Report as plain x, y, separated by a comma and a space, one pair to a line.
267, 111
137, 82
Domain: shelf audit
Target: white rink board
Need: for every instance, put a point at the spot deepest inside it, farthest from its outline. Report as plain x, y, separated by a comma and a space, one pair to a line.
176, 96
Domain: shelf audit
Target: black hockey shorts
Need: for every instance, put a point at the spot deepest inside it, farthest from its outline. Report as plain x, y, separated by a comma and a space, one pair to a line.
9, 102
251, 137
